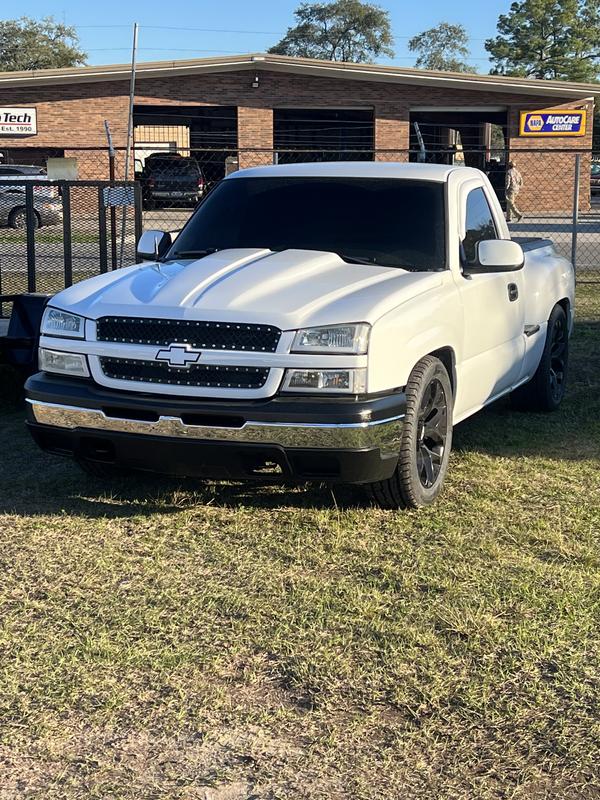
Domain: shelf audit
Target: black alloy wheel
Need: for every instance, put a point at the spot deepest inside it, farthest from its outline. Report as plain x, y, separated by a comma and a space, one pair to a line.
432, 436
546, 389
425, 443
559, 348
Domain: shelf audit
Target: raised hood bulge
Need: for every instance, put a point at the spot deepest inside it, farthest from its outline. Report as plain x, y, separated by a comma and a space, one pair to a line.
288, 289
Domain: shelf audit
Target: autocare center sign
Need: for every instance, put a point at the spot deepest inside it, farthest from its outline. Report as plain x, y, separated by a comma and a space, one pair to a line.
18, 121
553, 122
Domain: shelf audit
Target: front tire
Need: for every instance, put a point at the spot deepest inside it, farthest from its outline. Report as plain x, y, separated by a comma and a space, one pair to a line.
18, 218
545, 391
426, 440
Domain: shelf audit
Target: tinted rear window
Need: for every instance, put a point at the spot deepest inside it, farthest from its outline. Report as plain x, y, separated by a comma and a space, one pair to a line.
173, 166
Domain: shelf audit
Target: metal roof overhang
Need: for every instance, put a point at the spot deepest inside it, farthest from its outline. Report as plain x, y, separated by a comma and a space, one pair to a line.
301, 66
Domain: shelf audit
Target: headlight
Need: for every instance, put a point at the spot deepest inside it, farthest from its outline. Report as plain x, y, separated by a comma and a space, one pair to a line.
63, 323
352, 339
63, 363
338, 381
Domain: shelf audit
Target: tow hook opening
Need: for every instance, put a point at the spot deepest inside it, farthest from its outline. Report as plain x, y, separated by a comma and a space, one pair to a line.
98, 450
263, 465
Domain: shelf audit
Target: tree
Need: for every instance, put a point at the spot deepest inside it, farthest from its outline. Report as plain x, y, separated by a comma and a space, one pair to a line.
443, 48
557, 39
27, 44
343, 30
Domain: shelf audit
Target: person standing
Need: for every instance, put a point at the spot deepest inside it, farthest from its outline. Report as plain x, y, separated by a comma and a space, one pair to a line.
514, 183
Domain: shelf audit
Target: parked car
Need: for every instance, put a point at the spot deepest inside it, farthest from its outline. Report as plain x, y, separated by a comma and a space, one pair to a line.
595, 179
29, 171
171, 178
47, 209
325, 322
18, 173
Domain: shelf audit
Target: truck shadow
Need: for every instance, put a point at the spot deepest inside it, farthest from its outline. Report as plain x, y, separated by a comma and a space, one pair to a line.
35, 484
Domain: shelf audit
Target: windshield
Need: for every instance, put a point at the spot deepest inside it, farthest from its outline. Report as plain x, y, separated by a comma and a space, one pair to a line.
388, 222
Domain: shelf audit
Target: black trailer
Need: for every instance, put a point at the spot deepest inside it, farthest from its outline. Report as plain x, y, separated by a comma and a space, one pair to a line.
93, 228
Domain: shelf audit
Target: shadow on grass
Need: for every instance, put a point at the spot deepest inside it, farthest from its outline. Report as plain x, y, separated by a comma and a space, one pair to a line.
571, 433
33, 483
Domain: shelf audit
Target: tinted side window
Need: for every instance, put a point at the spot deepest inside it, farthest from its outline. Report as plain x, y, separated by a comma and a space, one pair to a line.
9, 171
479, 223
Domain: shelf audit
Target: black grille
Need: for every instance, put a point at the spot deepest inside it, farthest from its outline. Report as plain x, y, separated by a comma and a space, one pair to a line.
203, 335
197, 375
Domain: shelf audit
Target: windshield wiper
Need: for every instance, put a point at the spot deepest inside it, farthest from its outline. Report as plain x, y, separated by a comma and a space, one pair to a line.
373, 262
207, 251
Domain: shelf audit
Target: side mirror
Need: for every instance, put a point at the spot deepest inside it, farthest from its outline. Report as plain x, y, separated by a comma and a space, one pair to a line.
153, 244
496, 255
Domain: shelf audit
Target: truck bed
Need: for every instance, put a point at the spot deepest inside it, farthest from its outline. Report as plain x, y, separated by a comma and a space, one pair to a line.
529, 243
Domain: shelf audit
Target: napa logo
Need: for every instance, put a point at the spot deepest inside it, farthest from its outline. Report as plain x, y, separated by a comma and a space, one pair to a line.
535, 123
553, 122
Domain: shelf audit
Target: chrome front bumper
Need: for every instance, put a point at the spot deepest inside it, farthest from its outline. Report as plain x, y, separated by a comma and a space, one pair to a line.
382, 434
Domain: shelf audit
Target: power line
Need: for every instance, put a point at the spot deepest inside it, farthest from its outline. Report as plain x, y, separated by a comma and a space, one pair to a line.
228, 30
222, 52
161, 50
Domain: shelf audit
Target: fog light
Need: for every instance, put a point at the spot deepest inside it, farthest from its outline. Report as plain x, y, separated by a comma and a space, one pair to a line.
346, 381
63, 363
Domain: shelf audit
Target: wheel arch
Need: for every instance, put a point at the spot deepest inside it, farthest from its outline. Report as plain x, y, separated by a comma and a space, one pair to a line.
18, 208
565, 304
448, 358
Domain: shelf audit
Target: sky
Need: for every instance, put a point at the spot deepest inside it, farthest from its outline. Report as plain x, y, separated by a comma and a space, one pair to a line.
201, 28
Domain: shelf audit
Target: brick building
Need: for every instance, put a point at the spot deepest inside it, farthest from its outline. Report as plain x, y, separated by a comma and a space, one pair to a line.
254, 109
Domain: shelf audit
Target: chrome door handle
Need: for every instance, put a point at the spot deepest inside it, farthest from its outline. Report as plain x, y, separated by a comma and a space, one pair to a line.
513, 292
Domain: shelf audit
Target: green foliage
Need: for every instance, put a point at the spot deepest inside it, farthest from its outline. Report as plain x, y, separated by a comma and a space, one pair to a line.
343, 30
442, 48
28, 44
548, 39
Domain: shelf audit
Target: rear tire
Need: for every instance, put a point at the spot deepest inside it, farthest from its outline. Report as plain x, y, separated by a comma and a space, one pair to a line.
426, 440
545, 391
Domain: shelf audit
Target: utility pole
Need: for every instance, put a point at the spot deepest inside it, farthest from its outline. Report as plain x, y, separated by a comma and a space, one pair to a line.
129, 132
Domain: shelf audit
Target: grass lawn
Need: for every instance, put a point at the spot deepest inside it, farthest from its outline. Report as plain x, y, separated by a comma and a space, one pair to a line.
161, 640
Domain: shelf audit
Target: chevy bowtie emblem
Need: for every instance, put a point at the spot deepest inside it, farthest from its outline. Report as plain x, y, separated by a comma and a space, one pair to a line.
179, 355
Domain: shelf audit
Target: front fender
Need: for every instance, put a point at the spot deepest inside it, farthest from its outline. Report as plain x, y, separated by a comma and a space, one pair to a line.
403, 336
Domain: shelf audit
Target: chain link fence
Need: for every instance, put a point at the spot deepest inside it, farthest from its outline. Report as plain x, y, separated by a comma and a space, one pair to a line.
559, 200
56, 233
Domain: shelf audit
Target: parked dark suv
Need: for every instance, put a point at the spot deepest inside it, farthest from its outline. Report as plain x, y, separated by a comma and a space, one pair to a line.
595, 178
171, 178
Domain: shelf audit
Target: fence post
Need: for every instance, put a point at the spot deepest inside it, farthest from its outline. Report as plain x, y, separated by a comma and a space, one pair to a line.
67, 240
137, 193
575, 212
102, 229
30, 221
113, 210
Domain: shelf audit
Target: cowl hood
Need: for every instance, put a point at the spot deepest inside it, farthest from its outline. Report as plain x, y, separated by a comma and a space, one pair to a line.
289, 289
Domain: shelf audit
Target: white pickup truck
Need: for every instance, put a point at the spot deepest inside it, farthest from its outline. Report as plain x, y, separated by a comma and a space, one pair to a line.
311, 322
